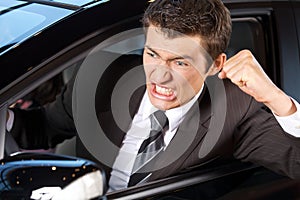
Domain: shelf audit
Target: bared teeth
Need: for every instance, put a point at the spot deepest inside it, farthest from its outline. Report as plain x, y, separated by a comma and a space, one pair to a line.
163, 91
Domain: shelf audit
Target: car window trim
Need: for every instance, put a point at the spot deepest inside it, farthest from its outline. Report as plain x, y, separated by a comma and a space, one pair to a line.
163, 186
55, 4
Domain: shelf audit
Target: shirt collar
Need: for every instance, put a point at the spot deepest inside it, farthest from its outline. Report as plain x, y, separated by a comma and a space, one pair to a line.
175, 115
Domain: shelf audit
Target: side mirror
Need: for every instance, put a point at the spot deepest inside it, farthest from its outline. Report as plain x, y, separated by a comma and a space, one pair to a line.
50, 176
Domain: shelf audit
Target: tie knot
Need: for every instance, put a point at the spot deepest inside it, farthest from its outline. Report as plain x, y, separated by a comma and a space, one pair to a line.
159, 120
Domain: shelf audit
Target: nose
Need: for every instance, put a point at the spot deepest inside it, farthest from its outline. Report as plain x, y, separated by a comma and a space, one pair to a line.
161, 74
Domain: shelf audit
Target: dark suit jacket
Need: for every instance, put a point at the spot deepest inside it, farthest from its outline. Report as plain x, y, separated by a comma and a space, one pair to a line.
224, 122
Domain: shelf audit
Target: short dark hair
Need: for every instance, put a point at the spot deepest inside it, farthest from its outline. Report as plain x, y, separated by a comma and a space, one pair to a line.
209, 19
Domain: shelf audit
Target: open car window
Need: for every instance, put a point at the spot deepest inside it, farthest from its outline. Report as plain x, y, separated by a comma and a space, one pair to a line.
127, 38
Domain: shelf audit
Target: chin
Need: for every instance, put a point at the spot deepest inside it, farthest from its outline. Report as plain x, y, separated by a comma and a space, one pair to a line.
162, 105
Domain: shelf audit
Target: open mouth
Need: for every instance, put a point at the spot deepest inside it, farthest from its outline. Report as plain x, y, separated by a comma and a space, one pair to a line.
163, 90
163, 93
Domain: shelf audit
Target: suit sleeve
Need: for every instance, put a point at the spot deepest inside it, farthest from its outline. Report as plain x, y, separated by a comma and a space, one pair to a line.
47, 126
260, 139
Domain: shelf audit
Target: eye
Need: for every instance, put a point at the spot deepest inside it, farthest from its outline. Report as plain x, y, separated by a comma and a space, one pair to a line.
151, 54
181, 63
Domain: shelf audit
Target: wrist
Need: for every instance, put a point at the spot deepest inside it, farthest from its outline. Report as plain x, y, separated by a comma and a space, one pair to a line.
281, 104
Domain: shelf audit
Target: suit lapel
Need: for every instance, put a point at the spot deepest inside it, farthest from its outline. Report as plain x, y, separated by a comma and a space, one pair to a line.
135, 100
112, 128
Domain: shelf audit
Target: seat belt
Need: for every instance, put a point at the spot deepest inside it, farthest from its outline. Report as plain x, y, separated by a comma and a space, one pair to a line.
8, 144
3, 110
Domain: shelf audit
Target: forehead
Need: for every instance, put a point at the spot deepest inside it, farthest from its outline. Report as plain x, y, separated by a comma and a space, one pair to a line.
180, 45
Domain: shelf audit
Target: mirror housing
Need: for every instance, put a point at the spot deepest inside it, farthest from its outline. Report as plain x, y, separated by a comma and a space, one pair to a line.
50, 176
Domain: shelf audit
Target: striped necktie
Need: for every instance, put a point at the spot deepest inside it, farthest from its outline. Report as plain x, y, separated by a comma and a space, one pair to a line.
151, 147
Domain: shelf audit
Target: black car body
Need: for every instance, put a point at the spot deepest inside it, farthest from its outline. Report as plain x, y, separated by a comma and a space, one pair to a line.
54, 35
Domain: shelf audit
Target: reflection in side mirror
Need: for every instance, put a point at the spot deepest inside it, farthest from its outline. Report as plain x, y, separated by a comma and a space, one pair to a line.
87, 186
49, 176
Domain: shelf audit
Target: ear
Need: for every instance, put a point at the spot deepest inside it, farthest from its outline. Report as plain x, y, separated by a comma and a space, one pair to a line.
217, 64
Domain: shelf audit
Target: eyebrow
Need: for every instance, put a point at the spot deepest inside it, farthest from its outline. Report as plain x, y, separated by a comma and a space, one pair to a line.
186, 57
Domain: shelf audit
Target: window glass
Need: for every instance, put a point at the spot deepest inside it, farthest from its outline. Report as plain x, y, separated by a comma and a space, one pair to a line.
247, 33
25, 20
296, 67
16, 24
8, 4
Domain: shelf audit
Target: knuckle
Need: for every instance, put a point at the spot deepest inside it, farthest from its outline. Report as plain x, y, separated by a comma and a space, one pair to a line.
235, 80
225, 70
246, 54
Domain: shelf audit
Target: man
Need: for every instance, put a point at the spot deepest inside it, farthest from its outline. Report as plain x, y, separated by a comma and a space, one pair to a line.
214, 108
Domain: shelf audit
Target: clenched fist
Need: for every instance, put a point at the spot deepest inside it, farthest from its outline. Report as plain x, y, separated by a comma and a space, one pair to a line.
244, 71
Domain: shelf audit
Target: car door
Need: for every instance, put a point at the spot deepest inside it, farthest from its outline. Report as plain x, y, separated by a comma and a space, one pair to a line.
255, 28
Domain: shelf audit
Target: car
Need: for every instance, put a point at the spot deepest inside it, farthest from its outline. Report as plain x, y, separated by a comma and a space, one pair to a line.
47, 40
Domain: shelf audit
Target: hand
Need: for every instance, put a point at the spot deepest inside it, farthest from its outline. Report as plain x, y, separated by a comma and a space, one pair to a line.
245, 72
